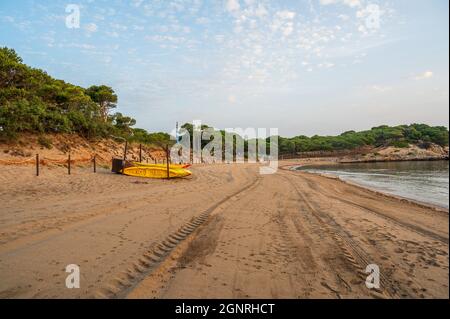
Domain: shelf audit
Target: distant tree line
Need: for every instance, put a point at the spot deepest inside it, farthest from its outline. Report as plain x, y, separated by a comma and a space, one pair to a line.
32, 101
398, 136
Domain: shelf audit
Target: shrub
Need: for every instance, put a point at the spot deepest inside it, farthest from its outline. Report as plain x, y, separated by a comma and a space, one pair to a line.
400, 144
45, 142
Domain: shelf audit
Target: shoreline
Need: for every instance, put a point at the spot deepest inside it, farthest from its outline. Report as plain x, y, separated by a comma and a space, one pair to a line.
430, 159
338, 160
386, 194
371, 189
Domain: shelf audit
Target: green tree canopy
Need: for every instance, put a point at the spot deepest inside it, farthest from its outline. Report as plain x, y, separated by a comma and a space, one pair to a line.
105, 98
33, 101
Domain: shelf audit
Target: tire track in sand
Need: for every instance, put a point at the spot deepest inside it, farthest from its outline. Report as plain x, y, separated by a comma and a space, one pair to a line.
351, 251
159, 253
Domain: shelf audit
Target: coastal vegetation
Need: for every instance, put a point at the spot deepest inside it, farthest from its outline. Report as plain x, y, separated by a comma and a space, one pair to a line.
31, 101
400, 136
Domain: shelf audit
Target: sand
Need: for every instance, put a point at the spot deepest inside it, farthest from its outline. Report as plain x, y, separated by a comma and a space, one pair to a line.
225, 232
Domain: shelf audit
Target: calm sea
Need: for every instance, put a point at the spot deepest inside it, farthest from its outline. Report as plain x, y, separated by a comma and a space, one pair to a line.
425, 181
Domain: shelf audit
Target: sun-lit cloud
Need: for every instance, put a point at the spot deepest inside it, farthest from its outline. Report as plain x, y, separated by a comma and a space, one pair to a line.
350, 3
380, 88
423, 76
232, 99
232, 5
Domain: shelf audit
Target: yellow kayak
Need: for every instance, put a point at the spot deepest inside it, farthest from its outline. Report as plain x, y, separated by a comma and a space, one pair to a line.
156, 172
176, 166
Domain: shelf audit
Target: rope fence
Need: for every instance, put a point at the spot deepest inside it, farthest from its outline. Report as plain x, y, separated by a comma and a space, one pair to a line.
45, 161
68, 162
12, 162
37, 161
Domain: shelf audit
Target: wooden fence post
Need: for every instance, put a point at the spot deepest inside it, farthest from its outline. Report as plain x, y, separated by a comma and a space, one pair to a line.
95, 163
125, 152
167, 161
68, 165
140, 153
37, 164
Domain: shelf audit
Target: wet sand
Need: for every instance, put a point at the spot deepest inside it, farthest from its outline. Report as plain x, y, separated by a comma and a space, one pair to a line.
226, 232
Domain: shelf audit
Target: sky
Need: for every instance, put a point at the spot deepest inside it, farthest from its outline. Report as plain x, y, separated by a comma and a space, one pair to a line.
303, 66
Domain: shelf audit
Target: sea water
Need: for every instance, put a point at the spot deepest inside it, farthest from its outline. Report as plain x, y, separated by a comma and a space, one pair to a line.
424, 181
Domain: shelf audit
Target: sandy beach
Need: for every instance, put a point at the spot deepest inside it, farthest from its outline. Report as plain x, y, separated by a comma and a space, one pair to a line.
225, 232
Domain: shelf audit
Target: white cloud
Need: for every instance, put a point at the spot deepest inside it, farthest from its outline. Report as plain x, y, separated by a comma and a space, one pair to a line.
8, 19
232, 99
288, 29
137, 3
202, 20
91, 27
380, 88
283, 22
118, 26
326, 65
83, 46
138, 27
350, 3
286, 15
166, 38
424, 76
112, 34
273, 45
49, 39
261, 11
220, 38
232, 5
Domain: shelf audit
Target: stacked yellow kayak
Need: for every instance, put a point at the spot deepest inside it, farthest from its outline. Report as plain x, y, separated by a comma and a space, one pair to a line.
162, 165
156, 171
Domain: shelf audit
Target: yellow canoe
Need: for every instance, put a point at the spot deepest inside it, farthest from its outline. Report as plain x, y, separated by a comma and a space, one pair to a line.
156, 172
176, 166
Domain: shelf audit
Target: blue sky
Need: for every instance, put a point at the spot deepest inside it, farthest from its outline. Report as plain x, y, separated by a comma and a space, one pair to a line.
303, 66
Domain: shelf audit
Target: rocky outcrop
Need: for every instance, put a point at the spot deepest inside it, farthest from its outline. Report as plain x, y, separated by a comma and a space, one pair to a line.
392, 154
